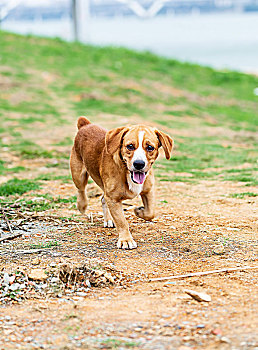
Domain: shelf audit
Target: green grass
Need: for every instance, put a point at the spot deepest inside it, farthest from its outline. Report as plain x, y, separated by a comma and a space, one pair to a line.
5, 170
212, 115
61, 164
43, 202
242, 177
51, 177
94, 106
243, 195
49, 244
16, 186
67, 141
196, 155
29, 150
112, 344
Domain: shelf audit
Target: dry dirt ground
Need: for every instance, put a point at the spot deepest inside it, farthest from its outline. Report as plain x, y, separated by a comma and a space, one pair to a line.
198, 227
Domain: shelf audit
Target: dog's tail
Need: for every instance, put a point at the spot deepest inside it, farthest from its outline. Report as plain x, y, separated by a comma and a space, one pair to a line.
82, 121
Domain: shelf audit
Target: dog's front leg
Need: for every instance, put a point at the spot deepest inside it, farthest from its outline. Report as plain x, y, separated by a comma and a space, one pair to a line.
125, 239
108, 222
147, 211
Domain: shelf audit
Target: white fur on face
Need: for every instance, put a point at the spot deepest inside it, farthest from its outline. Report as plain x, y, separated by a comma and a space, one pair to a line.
139, 153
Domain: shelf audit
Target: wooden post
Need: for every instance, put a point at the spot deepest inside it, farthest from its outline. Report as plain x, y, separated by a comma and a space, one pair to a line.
74, 21
81, 20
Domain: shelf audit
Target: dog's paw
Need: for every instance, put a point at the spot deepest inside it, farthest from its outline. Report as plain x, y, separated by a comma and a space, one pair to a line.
127, 243
81, 207
141, 213
109, 223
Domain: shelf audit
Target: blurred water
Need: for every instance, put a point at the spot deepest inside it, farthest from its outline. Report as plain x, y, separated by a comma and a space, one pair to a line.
219, 40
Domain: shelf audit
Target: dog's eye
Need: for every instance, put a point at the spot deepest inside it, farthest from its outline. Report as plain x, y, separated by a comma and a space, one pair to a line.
130, 147
150, 148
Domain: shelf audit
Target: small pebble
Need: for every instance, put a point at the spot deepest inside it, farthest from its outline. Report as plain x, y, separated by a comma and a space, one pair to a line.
219, 250
87, 282
35, 261
6, 278
14, 286
225, 340
216, 331
54, 279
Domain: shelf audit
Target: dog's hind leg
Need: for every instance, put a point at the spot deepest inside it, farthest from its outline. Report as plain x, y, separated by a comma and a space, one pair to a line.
80, 179
108, 221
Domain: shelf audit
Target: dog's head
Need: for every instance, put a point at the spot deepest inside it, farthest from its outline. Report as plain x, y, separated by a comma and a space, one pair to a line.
138, 147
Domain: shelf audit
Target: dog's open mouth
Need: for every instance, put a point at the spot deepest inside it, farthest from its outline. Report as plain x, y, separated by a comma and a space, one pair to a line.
138, 177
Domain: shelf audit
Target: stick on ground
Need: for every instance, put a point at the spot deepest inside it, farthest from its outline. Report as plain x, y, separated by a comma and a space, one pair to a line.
7, 221
202, 273
10, 237
32, 251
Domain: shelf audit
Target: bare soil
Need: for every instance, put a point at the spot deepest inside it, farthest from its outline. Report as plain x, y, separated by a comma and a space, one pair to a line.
197, 228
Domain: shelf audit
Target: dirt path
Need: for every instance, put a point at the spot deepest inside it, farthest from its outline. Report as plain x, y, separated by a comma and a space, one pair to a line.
198, 227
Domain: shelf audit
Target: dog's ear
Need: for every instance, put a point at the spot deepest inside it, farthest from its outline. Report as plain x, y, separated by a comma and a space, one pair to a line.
114, 139
166, 142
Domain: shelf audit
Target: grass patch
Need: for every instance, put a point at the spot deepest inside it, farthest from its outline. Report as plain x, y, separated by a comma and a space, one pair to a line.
58, 164
243, 195
29, 150
44, 202
51, 177
196, 156
5, 170
111, 343
93, 106
249, 178
16, 186
67, 141
56, 81
37, 204
49, 244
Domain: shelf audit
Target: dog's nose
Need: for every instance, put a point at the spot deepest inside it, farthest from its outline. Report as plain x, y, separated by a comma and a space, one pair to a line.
139, 164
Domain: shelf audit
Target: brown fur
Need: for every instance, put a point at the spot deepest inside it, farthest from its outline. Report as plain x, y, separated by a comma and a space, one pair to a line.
104, 156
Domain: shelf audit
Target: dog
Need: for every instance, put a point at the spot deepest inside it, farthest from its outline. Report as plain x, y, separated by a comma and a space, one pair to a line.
120, 162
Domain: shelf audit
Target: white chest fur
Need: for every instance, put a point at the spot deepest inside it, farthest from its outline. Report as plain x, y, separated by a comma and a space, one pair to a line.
133, 187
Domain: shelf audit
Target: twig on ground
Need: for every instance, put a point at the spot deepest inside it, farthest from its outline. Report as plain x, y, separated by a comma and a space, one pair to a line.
10, 237
17, 213
31, 251
73, 223
202, 273
78, 227
7, 221
31, 215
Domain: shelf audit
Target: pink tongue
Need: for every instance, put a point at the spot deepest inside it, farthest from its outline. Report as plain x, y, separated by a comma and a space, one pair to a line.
138, 177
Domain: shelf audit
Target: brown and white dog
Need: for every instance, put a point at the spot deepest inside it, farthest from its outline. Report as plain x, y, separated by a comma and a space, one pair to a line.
120, 162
